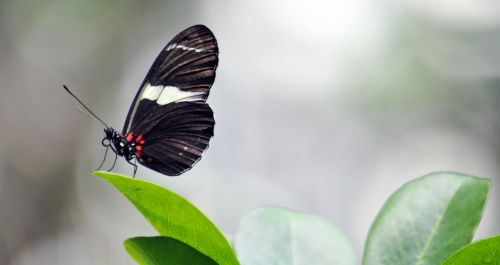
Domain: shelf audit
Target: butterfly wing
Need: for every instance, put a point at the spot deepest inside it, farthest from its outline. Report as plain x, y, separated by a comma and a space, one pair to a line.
183, 71
175, 135
169, 110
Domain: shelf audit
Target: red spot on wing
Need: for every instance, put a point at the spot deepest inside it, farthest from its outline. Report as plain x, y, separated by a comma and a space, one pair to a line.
130, 136
138, 148
138, 154
139, 138
141, 142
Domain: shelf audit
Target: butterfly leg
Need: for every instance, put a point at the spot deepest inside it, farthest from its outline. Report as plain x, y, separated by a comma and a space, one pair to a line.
134, 165
114, 162
135, 168
104, 159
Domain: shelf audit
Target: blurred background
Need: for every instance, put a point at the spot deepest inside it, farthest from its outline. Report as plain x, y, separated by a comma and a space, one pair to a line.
325, 107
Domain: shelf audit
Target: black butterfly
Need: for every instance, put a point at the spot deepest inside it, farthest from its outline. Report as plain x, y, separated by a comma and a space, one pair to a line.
169, 124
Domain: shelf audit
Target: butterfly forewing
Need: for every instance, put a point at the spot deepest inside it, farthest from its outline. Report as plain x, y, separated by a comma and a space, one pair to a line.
183, 71
169, 110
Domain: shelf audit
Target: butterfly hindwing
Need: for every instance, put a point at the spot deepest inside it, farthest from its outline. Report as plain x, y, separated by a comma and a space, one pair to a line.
175, 135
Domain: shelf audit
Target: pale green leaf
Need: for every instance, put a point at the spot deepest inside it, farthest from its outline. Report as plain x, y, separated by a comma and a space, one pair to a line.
276, 236
427, 220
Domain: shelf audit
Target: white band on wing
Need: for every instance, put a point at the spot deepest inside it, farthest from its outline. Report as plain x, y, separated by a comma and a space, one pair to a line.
175, 45
167, 94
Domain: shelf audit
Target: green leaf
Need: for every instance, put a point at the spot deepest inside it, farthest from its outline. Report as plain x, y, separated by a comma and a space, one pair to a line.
173, 216
483, 252
278, 236
426, 220
162, 250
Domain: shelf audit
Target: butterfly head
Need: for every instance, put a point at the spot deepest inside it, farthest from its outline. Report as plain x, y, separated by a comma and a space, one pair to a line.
114, 140
107, 141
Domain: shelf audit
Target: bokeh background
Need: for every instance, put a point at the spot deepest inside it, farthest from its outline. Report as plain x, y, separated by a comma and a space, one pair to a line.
321, 106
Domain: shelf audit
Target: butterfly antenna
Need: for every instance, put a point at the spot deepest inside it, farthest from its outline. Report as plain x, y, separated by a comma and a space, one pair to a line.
88, 111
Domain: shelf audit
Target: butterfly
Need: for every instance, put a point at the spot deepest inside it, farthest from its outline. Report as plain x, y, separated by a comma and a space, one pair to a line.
169, 124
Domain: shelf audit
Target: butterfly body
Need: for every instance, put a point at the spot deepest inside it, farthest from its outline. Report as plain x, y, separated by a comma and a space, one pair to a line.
128, 147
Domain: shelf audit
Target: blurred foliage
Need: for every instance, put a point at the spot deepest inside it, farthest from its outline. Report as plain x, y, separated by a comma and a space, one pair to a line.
427, 220
272, 235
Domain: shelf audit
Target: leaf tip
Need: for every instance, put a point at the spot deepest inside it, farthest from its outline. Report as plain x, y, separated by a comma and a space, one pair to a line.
109, 174
98, 173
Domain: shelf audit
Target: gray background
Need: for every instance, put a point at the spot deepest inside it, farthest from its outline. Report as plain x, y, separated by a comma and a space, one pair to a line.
321, 106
